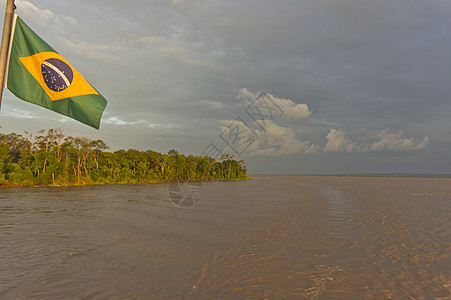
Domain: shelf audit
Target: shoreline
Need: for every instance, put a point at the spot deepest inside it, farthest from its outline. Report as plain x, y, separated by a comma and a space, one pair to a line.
12, 185
375, 175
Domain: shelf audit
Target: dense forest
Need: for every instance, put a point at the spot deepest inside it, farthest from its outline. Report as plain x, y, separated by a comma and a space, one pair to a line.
51, 158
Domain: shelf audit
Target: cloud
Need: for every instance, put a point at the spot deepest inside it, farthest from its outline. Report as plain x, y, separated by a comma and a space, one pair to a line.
397, 142
176, 50
155, 40
118, 121
22, 114
99, 52
274, 140
246, 95
338, 142
44, 15
324, 123
163, 44
288, 108
18, 113
385, 141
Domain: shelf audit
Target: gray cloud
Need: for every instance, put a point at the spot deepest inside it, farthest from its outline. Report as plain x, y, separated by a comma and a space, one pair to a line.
45, 15
341, 71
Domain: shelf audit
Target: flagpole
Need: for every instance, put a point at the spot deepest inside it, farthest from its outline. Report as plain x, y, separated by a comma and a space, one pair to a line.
9, 13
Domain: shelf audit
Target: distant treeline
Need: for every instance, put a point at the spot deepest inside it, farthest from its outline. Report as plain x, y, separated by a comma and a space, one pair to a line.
51, 158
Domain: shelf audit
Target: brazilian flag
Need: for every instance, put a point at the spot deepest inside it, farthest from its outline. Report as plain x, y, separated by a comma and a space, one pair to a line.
38, 74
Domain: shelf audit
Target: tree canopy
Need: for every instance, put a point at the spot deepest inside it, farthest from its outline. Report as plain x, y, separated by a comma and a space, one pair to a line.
51, 158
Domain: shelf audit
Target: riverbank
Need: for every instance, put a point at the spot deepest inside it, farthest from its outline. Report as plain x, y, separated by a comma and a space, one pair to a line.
52, 159
21, 185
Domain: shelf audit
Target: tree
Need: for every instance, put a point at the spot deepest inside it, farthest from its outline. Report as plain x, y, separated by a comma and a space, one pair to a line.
52, 158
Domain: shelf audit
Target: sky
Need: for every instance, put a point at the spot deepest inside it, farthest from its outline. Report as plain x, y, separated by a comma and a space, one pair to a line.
288, 86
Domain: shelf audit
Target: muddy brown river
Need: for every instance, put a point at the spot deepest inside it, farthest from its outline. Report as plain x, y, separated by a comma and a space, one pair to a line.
272, 237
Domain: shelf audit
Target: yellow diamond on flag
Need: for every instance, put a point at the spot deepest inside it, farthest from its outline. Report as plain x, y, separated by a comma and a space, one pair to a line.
56, 76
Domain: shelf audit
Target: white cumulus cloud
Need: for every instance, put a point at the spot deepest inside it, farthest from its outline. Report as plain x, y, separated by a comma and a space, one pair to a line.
397, 142
286, 107
337, 141
274, 140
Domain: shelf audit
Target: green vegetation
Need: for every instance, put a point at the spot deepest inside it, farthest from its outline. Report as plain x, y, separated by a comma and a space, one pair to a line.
54, 159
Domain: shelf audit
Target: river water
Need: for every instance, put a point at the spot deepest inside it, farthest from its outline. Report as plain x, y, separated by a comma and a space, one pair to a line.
272, 237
